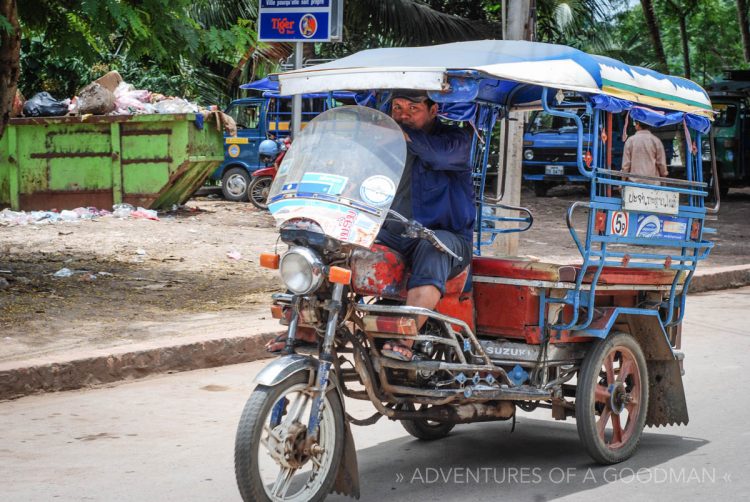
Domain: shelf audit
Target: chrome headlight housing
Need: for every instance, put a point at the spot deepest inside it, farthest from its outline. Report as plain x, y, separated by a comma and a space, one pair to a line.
301, 270
528, 154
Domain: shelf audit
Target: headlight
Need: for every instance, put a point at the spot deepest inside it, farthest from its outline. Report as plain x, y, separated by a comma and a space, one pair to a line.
528, 154
705, 151
301, 270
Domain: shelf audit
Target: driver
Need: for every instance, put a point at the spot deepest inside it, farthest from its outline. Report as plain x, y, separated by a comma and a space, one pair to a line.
436, 190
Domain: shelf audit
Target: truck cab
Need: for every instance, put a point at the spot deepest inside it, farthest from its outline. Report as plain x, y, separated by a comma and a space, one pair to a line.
549, 149
257, 119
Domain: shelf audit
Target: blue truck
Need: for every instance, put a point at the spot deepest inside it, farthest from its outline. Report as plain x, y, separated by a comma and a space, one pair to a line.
549, 149
258, 119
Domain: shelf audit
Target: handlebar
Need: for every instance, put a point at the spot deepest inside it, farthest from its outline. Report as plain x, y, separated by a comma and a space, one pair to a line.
415, 230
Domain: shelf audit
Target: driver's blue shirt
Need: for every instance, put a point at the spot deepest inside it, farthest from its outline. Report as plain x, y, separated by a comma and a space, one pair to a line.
442, 192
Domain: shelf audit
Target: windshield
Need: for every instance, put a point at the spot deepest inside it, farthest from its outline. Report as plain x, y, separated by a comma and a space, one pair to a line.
726, 115
544, 122
341, 172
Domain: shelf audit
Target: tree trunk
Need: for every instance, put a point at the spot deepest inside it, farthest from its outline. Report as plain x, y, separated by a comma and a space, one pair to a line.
685, 46
744, 28
653, 29
10, 61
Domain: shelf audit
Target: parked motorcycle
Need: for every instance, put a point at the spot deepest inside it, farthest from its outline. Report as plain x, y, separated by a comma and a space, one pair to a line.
271, 153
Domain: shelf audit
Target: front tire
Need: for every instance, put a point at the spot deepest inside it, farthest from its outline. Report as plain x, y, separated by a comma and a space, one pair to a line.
234, 184
269, 462
612, 390
258, 191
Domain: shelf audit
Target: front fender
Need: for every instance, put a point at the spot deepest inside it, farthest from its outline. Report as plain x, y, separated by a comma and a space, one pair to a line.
284, 367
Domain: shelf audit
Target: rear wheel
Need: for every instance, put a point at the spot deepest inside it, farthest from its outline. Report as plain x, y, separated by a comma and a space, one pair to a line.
259, 189
427, 430
612, 398
234, 184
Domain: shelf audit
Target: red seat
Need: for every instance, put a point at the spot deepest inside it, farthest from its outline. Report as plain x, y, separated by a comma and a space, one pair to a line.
516, 268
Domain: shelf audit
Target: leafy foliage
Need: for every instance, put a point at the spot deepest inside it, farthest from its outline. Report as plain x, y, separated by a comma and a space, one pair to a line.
714, 38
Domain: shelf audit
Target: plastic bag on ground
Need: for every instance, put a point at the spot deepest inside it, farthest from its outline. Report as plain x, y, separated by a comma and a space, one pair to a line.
122, 210
44, 105
147, 214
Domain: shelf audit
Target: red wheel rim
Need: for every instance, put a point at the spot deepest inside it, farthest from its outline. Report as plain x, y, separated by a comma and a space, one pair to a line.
617, 398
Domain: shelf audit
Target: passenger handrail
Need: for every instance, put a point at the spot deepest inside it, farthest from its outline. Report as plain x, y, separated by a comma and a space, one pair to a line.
673, 181
579, 125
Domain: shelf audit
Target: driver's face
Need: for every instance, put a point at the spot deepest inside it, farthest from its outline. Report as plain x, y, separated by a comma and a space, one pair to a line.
414, 115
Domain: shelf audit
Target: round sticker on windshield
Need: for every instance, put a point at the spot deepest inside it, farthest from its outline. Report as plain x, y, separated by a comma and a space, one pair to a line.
377, 190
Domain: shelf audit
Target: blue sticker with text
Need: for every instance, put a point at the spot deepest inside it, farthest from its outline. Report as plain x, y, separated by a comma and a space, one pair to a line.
653, 226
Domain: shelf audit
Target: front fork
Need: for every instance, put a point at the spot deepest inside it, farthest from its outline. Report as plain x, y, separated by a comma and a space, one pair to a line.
326, 358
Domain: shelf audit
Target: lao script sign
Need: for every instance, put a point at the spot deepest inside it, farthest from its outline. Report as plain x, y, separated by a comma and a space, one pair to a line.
299, 20
650, 201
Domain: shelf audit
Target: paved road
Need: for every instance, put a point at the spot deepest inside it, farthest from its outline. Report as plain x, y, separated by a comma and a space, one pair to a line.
170, 438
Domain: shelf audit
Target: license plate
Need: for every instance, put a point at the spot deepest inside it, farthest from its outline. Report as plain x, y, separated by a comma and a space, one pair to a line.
558, 170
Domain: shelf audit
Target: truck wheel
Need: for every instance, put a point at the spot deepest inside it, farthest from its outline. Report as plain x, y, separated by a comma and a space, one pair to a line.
612, 398
540, 188
234, 184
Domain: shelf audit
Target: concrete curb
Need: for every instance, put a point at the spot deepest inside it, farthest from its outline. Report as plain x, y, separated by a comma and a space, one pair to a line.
720, 278
130, 365
104, 369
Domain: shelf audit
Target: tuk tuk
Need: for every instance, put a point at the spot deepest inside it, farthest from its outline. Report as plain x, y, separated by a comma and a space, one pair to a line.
599, 340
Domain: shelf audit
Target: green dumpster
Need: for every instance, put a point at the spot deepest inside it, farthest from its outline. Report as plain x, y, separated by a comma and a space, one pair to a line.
153, 161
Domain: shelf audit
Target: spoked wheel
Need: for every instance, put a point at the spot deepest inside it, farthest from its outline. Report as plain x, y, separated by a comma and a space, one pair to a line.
273, 461
426, 430
612, 399
259, 189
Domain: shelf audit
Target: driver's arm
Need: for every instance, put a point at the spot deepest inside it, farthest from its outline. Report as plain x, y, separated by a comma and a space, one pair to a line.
446, 150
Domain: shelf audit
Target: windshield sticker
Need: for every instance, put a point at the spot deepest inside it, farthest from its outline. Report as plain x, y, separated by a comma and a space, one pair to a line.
661, 227
330, 184
345, 223
289, 187
377, 190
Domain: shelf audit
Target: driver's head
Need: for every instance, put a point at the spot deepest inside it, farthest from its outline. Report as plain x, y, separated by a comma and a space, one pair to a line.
413, 109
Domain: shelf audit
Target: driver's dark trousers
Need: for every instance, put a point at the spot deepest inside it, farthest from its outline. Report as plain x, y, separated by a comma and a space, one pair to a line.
430, 266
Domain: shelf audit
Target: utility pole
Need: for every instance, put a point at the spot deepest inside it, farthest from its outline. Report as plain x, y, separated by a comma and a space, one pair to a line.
519, 25
297, 98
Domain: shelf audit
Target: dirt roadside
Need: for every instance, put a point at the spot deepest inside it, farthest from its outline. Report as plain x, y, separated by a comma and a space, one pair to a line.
196, 271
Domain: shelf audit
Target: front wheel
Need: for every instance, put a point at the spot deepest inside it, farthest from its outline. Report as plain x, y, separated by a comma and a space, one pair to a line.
272, 460
258, 191
612, 399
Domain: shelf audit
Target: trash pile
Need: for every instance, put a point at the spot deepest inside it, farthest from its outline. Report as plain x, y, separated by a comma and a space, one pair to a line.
122, 211
108, 95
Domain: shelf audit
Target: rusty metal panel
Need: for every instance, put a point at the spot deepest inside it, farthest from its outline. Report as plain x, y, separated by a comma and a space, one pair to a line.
505, 309
147, 160
666, 398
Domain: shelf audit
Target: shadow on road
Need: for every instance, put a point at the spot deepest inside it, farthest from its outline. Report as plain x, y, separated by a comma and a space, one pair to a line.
541, 460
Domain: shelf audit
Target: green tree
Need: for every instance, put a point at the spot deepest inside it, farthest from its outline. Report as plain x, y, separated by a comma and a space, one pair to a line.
10, 49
